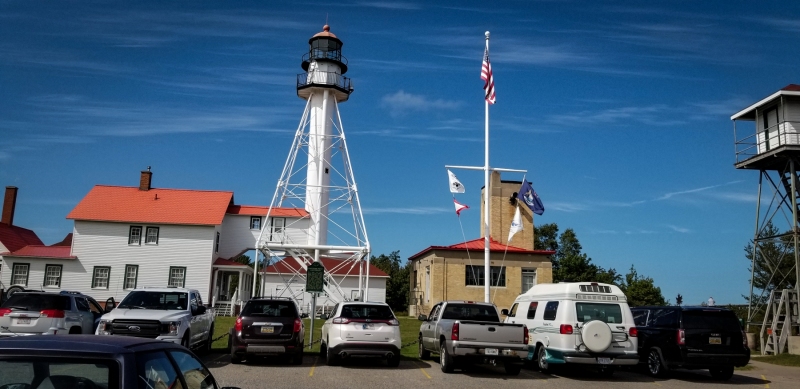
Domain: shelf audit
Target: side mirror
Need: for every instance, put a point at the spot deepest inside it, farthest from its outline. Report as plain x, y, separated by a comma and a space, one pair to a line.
303, 315
324, 316
422, 318
504, 312
199, 310
110, 305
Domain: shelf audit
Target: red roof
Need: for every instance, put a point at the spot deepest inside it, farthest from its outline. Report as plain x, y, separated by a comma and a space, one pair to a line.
336, 266
40, 251
791, 87
478, 245
253, 210
227, 262
15, 238
162, 206
66, 242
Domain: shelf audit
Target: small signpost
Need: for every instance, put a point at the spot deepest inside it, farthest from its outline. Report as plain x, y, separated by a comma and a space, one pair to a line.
315, 283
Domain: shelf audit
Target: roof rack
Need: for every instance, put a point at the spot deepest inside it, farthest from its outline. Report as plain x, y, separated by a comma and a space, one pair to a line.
271, 298
69, 292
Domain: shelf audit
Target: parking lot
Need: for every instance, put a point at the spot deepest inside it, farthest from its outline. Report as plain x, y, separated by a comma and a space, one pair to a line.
369, 373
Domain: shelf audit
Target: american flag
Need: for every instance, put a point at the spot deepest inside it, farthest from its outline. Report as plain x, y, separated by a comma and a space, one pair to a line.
486, 75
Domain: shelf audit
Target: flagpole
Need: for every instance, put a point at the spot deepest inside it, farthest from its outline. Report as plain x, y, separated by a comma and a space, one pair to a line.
486, 224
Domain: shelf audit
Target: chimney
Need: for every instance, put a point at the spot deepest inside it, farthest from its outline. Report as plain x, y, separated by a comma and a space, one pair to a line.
9, 203
146, 179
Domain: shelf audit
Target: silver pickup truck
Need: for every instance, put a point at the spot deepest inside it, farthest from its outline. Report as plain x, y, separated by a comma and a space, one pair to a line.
464, 330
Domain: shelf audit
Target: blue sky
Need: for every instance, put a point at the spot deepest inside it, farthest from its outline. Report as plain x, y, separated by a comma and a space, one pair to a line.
620, 111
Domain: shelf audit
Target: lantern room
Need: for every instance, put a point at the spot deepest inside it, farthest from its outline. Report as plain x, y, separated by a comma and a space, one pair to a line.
325, 67
768, 128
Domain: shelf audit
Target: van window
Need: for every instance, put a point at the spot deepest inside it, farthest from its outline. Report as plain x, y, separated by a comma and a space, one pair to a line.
608, 313
513, 311
664, 318
711, 320
532, 309
550, 310
640, 316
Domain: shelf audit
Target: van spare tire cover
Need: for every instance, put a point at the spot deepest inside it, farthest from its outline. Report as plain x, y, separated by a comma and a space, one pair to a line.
596, 335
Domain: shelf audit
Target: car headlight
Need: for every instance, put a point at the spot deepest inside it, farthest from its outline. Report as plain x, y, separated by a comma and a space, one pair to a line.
104, 327
174, 327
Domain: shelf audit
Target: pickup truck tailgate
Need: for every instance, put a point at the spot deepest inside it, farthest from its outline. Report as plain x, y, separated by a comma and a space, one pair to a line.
491, 333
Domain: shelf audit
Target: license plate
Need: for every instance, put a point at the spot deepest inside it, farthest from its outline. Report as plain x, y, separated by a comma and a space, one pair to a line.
24, 321
367, 326
491, 351
267, 330
604, 361
714, 340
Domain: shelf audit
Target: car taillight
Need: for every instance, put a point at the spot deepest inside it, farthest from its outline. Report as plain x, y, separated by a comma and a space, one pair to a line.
744, 338
4, 311
298, 325
525, 338
340, 320
633, 332
238, 326
393, 322
566, 329
681, 337
454, 332
54, 313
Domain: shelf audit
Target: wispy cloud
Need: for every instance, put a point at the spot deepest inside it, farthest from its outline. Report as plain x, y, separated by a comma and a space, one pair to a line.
417, 136
408, 210
682, 230
401, 103
567, 207
695, 190
395, 5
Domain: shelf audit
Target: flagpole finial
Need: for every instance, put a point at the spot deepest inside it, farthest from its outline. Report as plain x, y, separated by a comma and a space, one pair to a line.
487, 34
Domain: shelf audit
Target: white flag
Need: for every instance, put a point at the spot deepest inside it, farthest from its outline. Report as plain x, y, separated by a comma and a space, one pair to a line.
459, 207
455, 184
516, 225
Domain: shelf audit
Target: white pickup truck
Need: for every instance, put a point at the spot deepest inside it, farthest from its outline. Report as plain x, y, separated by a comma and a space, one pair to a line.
461, 330
172, 314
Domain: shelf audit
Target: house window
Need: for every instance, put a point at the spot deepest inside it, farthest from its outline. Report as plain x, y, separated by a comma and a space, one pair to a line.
100, 277
278, 224
131, 275
177, 276
19, 274
52, 276
152, 235
528, 279
255, 222
216, 244
475, 275
135, 235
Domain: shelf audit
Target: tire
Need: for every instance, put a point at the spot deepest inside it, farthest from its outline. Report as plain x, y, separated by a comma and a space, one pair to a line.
721, 373
207, 346
14, 289
331, 359
655, 367
446, 361
185, 340
422, 353
75, 331
607, 372
393, 361
235, 359
512, 368
541, 355
596, 336
297, 358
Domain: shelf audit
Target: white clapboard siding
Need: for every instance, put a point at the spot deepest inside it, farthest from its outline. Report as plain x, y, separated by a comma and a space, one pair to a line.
36, 267
106, 244
275, 286
237, 236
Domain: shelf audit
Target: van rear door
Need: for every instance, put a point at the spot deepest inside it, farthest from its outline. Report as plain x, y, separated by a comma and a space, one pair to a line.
713, 331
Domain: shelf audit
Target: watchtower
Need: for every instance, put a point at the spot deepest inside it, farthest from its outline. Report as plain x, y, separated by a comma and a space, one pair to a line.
767, 139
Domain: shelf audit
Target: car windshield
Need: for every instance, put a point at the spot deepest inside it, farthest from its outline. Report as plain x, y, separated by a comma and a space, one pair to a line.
269, 309
373, 312
470, 312
37, 302
142, 299
58, 372
608, 313
710, 320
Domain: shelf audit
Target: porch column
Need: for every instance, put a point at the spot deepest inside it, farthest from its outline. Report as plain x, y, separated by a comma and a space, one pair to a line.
214, 288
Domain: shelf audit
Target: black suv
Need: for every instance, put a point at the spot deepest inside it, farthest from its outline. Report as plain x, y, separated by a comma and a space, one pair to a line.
690, 338
268, 326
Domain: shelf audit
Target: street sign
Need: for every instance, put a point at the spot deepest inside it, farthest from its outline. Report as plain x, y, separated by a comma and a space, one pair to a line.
315, 275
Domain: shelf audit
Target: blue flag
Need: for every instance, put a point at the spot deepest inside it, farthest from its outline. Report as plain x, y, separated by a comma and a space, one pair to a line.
530, 198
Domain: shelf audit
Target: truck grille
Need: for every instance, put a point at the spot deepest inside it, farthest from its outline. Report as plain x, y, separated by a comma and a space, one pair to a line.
139, 328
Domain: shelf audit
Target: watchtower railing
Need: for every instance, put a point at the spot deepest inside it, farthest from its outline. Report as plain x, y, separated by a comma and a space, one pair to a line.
333, 55
316, 77
764, 140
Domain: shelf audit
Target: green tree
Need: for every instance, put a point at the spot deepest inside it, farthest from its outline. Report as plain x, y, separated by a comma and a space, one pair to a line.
397, 284
774, 266
641, 290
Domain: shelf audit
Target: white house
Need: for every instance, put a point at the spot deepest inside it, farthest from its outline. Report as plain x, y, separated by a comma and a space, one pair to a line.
129, 237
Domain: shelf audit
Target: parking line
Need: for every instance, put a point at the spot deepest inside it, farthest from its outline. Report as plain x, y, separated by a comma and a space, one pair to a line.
311, 373
423, 371
766, 384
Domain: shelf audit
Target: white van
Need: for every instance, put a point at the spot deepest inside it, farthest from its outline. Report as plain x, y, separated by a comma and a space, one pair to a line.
585, 323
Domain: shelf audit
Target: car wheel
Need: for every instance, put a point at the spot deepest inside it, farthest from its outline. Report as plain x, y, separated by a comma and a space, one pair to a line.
541, 357
654, 365
297, 358
185, 340
445, 360
512, 368
207, 345
606, 372
422, 353
721, 373
14, 289
330, 358
394, 361
75, 330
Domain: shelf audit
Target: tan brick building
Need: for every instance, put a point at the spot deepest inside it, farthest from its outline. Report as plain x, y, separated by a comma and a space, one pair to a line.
456, 272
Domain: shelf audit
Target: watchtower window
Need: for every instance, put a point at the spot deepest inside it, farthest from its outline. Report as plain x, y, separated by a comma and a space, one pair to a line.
326, 45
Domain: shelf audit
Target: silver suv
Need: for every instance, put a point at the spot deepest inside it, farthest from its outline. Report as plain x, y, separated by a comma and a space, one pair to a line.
49, 313
361, 329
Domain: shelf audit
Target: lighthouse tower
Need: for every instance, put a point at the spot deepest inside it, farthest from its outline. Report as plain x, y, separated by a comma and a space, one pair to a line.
318, 179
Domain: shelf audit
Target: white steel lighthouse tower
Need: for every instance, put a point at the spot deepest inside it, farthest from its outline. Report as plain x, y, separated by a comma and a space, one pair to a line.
317, 178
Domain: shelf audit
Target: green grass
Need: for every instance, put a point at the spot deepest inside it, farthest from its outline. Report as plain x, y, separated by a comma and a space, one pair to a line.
745, 368
780, 359
409, 329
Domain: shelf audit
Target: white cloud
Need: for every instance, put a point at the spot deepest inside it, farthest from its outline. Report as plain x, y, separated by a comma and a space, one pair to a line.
397, 5
402, 102
679, 229
408, 210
